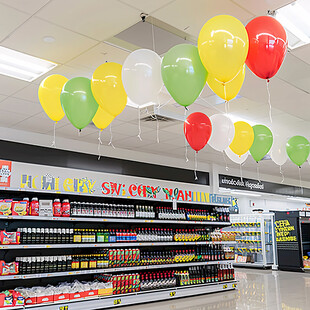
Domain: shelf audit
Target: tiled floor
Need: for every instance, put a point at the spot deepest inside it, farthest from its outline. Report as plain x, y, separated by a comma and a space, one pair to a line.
257, 289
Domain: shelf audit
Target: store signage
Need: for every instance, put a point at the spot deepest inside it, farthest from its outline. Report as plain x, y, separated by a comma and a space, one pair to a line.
5, 172
285, 231
66, 180
234, 182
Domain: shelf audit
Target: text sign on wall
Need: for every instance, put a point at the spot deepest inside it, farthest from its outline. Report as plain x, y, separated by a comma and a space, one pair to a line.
74, 181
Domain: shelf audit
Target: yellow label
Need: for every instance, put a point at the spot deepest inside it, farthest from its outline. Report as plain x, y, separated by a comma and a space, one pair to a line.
224, 286
117, 301
172, 294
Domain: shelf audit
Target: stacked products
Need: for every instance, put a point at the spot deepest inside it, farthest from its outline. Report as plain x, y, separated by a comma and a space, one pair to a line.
157, 280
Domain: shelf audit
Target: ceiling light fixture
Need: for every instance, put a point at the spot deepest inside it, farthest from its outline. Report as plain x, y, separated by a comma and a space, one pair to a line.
295, 18
22, 66
237, 192
300, 199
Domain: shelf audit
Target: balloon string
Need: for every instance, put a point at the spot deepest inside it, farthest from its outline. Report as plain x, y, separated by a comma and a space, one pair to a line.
160, 106
54, 140
300, 184
226, 107
111, 137
157, 129
282, 174
269, 101
241, 177
79, 132
99, 143
139, 134
153, 34
226, 166
196, 166
258, 174
185, 141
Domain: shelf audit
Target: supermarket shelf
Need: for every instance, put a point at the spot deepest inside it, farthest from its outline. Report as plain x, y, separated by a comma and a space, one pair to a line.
109, 270
114, 220
106, 245
252, 265
137, 298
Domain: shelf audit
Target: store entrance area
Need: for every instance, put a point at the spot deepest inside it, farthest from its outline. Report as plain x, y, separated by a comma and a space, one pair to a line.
258, 289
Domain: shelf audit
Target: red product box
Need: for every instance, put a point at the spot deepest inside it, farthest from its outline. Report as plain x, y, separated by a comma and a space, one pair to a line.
44, 299
6, 301
76, 295
31, 301
61, 297
91, 293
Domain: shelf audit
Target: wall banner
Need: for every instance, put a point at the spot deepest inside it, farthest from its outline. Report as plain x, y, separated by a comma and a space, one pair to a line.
16, 176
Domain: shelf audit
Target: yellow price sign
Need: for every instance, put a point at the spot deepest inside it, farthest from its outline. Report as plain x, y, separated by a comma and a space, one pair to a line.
117, 301
234, 285
63, 307
224, 286
172, 294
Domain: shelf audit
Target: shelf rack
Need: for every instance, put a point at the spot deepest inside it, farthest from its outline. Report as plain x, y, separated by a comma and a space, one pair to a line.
136, 298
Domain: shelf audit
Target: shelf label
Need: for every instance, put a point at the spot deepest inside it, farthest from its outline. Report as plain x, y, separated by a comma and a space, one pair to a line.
117, 301
172, 294
234, 285
224, 286
64, 308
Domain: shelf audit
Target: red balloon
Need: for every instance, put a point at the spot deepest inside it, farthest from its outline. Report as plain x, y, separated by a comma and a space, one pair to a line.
197, 130
267, 46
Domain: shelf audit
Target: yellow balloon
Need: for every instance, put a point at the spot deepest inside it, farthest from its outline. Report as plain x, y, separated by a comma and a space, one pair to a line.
108, 89
102, 119
243, 139
229, 90
49, 96
223, 46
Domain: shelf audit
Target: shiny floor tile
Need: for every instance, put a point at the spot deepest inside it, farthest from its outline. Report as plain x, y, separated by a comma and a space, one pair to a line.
257, 289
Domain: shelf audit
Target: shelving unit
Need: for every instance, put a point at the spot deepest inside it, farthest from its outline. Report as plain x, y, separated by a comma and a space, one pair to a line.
137, 298
255, 240
11, 251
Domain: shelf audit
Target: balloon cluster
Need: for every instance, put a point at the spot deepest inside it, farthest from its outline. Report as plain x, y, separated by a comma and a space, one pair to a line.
83, 100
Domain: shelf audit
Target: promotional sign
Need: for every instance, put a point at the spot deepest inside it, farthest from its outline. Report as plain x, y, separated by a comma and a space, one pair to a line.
234, 182
73, 181
287, 233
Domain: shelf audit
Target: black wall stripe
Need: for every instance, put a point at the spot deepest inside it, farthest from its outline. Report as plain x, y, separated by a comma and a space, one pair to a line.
60, 158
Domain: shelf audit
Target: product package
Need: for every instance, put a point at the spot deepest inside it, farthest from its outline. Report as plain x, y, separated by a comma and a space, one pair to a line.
6, 299
9, 237
6, 207
8, 268
20, 207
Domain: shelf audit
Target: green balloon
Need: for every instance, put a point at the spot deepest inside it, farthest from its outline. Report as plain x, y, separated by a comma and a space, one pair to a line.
78, 102
262, 143
297, 149
183, 73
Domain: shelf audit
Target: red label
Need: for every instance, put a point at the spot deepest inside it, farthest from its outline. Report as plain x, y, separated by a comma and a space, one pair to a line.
5, 173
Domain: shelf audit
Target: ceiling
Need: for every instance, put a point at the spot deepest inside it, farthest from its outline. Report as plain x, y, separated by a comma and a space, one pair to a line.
88, 33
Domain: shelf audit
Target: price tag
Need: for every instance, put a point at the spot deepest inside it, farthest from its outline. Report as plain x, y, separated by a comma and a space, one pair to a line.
172, 294
234, 285
174, 205
224, 286
117, 301
64, 308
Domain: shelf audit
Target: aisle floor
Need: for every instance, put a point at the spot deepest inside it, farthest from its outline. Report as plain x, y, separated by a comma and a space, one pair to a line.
257, 289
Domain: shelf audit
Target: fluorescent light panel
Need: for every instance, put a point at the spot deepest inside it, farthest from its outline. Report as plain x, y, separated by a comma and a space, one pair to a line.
237, 192
295, 18
22, 66
300, 199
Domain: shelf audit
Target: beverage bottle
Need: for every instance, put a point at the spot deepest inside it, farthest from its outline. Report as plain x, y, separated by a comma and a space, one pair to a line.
65, 208
34, 207
57, 207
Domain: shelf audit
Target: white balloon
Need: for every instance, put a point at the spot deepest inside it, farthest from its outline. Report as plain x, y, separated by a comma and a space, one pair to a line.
141, 76
223, 132
236, 158
278, 151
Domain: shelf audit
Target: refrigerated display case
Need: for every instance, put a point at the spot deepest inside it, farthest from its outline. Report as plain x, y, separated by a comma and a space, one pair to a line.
255, 240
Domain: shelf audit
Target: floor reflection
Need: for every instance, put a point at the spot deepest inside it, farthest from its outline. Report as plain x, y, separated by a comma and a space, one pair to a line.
257, 289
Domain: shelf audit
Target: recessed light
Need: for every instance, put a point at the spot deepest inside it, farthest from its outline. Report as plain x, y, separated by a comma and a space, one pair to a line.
22, 66
49, 39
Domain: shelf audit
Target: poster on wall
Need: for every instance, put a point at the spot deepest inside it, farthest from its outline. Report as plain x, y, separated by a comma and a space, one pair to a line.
33, 177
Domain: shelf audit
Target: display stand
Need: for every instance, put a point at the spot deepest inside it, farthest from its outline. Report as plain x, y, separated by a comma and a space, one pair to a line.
8, 252
255, 245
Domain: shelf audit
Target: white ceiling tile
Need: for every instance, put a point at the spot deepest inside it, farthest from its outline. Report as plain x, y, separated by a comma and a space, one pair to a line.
128, 114
39, 123
10, 20
192, 15
98, 55
302, 53
29, 39
2, 97
29, 93
20, 106
99, 19
8, 119
130, 129
9, 86
262, 6
28, 6
147, 6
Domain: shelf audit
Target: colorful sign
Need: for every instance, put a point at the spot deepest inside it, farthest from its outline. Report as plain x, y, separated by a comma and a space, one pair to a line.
5, 173
74, 181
